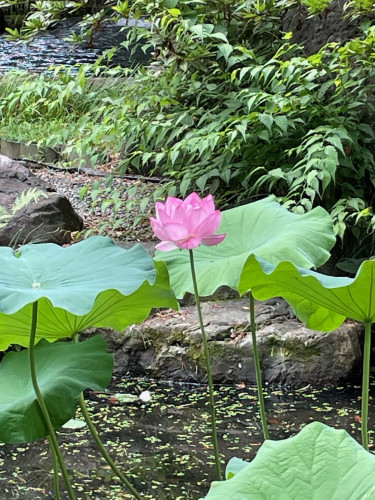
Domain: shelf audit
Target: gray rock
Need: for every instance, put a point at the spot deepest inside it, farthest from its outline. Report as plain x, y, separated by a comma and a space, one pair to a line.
168, 345
50, 219
294, 355
16, 178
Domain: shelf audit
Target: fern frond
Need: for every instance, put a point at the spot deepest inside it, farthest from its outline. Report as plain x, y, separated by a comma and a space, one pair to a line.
4, 216
26, 197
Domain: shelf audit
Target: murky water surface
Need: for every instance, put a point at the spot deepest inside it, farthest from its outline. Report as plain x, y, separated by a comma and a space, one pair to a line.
41, 53
51, 49
164, 444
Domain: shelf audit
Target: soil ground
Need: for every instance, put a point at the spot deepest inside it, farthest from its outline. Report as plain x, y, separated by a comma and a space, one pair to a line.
90, 197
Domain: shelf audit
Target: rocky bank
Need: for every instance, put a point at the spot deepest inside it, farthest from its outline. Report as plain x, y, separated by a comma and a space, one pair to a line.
168, 346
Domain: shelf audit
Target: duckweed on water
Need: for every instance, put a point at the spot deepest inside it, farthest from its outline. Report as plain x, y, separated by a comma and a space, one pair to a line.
164, 444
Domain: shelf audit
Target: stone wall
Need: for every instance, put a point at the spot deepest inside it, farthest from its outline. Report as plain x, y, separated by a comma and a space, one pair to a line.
314, 32
168, 345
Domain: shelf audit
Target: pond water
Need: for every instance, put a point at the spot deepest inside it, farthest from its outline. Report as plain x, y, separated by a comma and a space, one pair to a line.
41, 53
164, 444
51, 48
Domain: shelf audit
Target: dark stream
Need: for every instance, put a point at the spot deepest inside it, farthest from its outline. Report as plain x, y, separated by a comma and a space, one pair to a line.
164, 444
51, 49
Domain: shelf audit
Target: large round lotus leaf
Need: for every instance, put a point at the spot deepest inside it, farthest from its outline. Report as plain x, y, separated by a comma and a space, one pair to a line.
71, 277
110, 309
321, 302
263, 228
319, 463
64, 370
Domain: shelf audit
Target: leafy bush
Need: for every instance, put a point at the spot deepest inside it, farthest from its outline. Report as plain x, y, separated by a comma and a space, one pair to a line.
230, 105
245, 115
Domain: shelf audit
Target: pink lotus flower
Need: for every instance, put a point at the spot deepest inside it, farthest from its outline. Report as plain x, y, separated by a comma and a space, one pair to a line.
186, 223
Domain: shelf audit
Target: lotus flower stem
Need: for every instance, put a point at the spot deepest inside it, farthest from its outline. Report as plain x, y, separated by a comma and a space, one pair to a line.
208, 370
52, 436
258, 371
56, 484
103, 450
365, 385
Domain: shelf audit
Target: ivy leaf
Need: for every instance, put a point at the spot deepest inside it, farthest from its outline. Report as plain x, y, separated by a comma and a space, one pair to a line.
170, 4
336, 142
219, 36
282, 122
263, 228
319, 462
266, 119
225, 50
174, 12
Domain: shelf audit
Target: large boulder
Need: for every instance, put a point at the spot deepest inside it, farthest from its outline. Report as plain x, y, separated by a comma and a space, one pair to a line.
49, 219
168, 345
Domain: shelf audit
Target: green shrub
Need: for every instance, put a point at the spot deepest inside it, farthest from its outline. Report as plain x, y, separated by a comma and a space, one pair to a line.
229, 105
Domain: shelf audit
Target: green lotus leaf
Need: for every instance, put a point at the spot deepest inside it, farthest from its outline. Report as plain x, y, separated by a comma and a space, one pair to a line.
321, 302
70, 278
64, 370
263, 228
234, 466
318, 463
110, 309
